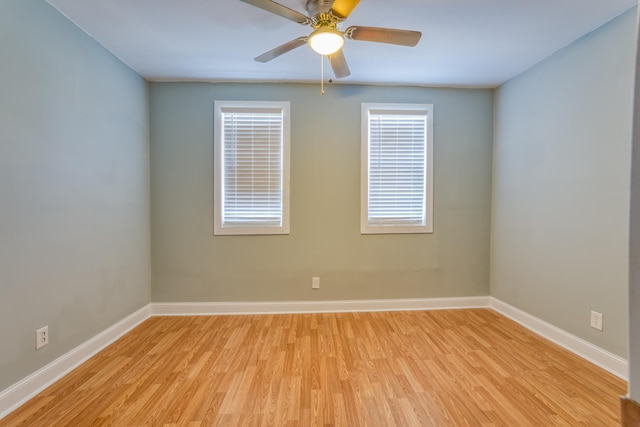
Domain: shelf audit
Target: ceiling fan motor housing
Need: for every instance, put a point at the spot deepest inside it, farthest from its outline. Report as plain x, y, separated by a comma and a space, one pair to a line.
317, 7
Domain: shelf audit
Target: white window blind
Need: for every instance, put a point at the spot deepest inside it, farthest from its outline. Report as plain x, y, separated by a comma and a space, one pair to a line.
252, 171
396, 158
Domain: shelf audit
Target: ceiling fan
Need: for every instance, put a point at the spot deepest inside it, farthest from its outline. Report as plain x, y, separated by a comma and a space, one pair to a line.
326, 17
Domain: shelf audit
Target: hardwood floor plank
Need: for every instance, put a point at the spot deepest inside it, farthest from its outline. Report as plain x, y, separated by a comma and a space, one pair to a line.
433, 368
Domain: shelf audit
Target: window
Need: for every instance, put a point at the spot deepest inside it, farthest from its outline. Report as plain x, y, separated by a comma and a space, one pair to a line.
397, 165
251, 167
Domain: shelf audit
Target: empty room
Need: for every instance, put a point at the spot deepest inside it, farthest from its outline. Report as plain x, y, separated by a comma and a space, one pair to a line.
360, 213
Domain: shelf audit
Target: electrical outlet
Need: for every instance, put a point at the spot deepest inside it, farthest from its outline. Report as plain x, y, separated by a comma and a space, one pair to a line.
42, 337
596, 320
315, 283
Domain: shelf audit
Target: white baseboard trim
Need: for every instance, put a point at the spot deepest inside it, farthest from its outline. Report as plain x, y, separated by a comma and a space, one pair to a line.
334, 306
615, 364
17, 394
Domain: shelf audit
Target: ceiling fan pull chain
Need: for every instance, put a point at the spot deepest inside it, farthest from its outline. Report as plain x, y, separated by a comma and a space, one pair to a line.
330, 69
321, 74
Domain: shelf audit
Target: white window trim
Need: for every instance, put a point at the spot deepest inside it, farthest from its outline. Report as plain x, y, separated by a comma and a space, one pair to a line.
218, 168
365, 228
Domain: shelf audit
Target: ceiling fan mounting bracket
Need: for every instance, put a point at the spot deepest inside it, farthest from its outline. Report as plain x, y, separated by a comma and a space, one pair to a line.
348, 33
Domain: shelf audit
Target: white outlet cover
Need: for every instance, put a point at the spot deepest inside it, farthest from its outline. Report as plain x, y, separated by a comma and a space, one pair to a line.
596, 320
42, 337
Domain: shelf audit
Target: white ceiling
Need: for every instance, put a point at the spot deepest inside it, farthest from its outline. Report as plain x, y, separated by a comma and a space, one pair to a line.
464, 42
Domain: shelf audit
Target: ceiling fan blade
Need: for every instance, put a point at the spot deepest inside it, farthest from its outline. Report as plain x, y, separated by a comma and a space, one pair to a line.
384, 35
282, 49
343, 8
339, 64
278, 9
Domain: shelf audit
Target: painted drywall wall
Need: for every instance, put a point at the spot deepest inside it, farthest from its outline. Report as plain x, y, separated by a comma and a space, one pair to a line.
74, 197
634, 253
191, 264
560, 208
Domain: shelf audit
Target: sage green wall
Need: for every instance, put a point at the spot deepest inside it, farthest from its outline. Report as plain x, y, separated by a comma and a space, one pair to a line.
561, 186
191, 264
74, 198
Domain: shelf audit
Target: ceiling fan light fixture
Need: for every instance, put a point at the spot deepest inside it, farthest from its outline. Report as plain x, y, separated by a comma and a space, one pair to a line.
326, 40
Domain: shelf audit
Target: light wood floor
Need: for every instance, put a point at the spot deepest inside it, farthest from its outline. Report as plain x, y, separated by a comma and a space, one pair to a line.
440, 368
